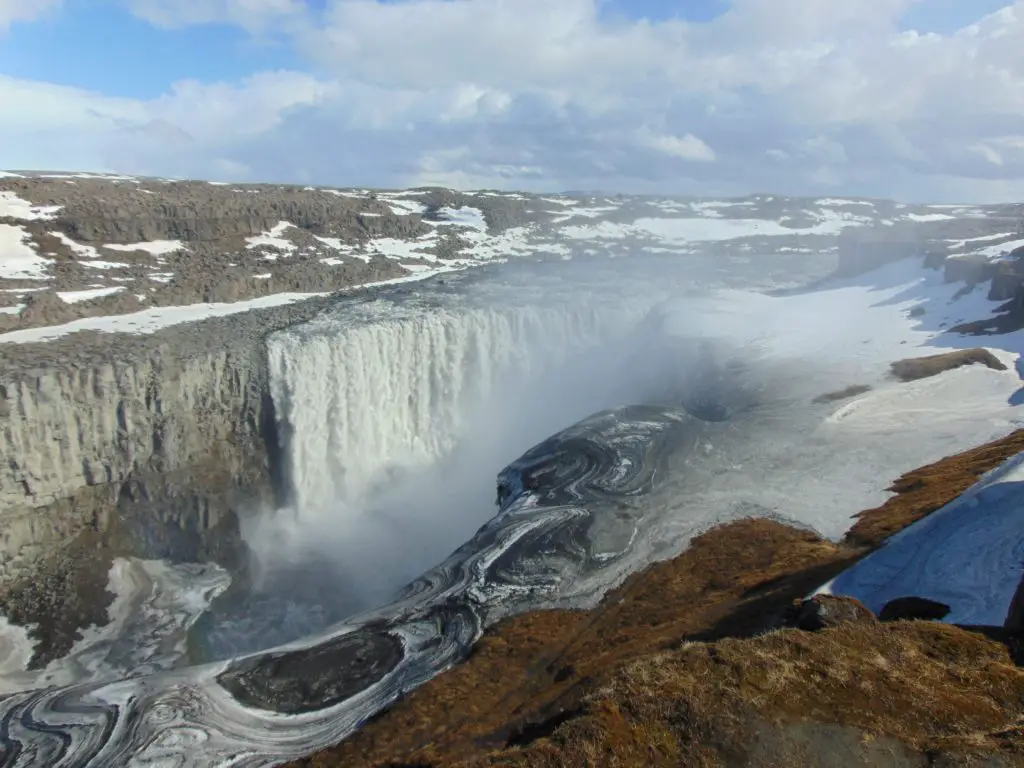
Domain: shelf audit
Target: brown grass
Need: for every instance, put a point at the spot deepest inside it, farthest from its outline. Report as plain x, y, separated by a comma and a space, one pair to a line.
922, 491
915, 368
671, 669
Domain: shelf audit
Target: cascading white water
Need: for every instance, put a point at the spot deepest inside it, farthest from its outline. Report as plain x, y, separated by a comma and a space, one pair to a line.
396, 419
363, 401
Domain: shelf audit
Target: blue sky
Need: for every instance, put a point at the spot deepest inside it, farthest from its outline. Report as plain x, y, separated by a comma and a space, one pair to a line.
102, 46
683, 95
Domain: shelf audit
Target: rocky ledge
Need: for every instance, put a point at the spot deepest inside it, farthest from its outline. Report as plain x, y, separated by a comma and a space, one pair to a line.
715, 658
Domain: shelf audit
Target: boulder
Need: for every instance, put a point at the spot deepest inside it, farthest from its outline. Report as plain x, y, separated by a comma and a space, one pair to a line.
824, 611
912, 607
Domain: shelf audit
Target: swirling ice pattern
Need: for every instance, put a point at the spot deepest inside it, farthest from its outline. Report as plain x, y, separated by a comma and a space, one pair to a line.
569, 509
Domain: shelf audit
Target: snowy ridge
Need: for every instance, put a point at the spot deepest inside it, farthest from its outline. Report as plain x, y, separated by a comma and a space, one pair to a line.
969, 554
452, 236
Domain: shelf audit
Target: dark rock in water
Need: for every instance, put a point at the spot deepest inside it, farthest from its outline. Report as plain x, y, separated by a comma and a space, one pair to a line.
314, 678
824, 611
914, 608
917, 312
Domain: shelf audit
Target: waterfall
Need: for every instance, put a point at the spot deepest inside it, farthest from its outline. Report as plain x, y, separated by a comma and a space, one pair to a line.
361, 401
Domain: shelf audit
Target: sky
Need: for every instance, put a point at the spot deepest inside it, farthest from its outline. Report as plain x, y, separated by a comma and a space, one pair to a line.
918, 100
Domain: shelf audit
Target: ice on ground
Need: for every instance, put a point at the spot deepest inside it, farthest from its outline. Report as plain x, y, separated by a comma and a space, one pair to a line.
346, 193
153, 247
161, 277
706, 229
836, 201
585, 212
18, 260
995, 251
848, 334
405, 207
512, 242
73, 297
16, 648
155, 603
85, 251
336, 243
969, 554
150, 320
929, 216
101, 264
14, 310
10, 175
981, 238
14, 207
393, 248
156, 318
101, 176
465, 217
273, 239
398, 202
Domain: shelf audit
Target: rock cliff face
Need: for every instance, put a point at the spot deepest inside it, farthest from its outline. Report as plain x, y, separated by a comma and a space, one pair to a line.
176, 429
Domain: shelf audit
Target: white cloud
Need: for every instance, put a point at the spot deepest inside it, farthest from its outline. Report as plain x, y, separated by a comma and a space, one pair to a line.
686, 147
551, 95
24, 10
251, 14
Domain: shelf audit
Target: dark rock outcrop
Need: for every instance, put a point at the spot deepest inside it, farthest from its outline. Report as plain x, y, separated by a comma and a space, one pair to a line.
915, 368
824, 611
912, 607
969, 269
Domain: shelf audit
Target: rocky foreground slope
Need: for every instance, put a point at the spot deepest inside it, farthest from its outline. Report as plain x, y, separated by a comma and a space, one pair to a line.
703, 661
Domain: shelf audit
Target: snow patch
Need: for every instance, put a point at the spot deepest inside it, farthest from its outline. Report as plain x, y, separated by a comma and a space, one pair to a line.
273, 239
929, 216
153, 247
73, 297
85, 251
14, 207
18, 260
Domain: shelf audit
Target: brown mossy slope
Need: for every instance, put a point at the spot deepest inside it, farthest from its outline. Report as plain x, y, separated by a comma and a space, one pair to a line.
915, 368
670, 668
922, 491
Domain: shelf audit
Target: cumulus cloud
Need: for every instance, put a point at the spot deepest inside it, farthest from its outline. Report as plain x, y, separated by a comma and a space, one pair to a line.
24, 10
794, 96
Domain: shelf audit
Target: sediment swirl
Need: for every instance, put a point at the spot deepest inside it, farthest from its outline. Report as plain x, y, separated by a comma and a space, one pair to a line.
570, 510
